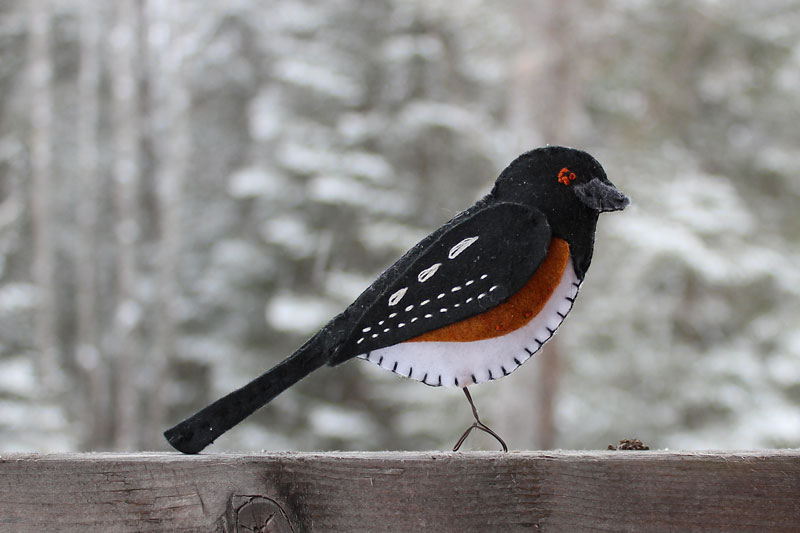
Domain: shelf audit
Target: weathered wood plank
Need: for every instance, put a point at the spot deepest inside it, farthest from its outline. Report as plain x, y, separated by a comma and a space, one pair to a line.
478, 491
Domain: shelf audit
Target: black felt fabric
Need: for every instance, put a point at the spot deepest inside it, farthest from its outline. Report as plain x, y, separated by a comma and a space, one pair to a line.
512, 240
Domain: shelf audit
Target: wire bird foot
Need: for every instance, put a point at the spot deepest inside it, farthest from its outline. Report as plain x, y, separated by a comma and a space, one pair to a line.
477, 425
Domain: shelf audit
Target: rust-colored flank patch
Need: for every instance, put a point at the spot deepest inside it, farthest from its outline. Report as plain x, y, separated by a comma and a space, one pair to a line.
514, 312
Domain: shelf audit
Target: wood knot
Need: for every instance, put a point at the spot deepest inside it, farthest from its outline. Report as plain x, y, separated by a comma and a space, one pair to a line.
259, 514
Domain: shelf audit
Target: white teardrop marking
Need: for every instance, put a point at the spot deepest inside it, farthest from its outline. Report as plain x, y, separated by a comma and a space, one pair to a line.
460, 247
426, 274
395, 298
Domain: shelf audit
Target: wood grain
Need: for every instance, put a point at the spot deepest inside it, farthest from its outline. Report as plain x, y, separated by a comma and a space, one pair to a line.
476, 491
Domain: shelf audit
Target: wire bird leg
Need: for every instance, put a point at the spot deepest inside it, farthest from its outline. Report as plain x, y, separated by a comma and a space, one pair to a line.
477, 425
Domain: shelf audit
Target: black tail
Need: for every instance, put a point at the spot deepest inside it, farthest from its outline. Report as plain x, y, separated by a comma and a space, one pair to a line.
203, 428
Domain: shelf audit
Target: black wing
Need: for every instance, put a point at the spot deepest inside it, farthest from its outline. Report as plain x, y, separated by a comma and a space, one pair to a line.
471, 264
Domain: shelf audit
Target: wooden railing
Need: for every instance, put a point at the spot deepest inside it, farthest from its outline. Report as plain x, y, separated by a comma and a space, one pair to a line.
475, 491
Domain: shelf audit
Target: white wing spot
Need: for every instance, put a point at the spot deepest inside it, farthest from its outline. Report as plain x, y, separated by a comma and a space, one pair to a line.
365, 330
493, 288
440, 296
381, 322
481, 295
469, 300
426, 274
457, 305
443, 310
395, 314
470, 282
401, 325
414, 319
359, 341
484, 276
460, 247
395, 298
428, 316
409, 308
426, 302
374, 335
386, 330
455, 289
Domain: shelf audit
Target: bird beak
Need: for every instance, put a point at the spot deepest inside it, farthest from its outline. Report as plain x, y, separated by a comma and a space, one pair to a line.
601, 196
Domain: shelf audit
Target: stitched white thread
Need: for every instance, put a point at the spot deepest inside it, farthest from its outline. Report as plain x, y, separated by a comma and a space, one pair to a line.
455, 289
457, 305
460, 247
396, 297
481, 295
470, 282
381, 322
386, 330
401, 325
359, 341
425, 302
443, 310
469, 300
395, 314
414, 319
440, 296
409, 308
493, 288
428, 272
428, 316
374, 335
365, 330
484, 276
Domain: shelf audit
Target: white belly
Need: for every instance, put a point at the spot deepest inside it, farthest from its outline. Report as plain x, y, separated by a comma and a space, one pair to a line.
459, 364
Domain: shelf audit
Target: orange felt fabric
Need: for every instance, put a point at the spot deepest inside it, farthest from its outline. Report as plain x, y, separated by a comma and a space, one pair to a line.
514, 312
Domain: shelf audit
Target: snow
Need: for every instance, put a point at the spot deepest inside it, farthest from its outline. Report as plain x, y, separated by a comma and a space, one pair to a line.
291, 233
128, 314
385, 235
346, 286
707, 205
343, 190
339, 423
320, 79
17, 297
251, 182
358, 127
265, 115
17, 376
404, 47
423, 114
301, 315
237, 260
305, 159
363, 164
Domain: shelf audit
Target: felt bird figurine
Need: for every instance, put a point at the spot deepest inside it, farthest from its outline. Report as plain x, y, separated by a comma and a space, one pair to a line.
469, 303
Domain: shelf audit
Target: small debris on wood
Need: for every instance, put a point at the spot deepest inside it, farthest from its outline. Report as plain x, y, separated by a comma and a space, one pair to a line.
629, 444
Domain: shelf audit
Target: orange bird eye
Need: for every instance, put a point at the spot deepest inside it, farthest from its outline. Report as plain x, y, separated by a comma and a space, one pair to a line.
566, 176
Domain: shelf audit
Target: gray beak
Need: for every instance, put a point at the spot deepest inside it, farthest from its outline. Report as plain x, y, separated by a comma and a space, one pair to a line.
601, 196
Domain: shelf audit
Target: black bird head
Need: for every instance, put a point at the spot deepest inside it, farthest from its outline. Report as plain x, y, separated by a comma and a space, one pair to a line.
554, 177
569, 186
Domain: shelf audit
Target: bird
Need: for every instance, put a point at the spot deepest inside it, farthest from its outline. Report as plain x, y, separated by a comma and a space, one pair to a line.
469, 303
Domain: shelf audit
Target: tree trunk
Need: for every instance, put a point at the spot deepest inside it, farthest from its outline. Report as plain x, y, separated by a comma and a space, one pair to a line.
174, 98
41, 146
96, 398
126, 174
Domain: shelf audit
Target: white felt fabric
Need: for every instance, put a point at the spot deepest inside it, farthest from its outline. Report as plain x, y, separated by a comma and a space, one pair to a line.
464, 363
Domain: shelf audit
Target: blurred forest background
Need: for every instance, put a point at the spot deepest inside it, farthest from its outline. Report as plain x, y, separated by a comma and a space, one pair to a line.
189, 189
